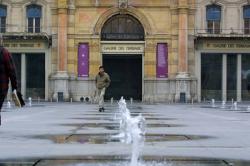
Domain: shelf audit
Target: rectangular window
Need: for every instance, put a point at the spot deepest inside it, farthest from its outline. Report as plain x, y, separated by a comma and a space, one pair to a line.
83, 60
37, 25
2, 24
231, 76
247, 26
213, 27
162, 60
34, 25
211, 76
245, 77
216, 27
30, 25
17, 60
35, 75
210, 26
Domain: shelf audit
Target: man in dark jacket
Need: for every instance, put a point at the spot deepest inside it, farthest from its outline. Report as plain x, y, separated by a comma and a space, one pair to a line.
7, 72
102, 81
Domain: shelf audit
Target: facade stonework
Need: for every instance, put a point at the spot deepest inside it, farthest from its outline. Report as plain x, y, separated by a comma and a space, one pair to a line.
32, 52
163, 22
222, 50
67, 24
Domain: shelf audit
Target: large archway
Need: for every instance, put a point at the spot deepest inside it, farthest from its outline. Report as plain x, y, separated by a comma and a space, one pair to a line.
122, 27
123, 55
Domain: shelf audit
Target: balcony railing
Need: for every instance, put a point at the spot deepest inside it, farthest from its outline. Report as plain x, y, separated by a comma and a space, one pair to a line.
9, 29
222, 33
21, 33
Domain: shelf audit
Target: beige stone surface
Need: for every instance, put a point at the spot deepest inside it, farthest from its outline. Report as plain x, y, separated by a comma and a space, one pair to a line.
161, 18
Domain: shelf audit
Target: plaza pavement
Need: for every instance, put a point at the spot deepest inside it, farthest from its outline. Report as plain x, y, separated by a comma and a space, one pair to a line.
25, 133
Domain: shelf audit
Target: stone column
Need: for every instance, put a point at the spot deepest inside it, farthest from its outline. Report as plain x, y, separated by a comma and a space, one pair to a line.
182, 78
183, 43
23, 75
62, 35
224, 77
239, 88
61, 77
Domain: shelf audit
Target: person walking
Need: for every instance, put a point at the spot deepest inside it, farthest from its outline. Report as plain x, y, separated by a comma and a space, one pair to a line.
102, 81
7, 72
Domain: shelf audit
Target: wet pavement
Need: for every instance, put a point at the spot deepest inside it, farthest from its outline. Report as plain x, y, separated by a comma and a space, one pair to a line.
77, 134
106, 138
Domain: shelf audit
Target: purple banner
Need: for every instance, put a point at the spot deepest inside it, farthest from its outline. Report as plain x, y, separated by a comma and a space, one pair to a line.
83, 60
162, 60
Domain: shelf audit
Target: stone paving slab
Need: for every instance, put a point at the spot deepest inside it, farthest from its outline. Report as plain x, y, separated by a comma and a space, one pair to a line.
228, 132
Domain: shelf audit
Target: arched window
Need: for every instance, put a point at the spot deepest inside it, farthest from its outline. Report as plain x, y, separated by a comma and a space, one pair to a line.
246, 17
3, 15
34, 15
213, 13
122, 27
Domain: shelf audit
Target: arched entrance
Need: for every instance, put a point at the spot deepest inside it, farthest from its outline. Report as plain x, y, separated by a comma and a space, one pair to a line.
122, 39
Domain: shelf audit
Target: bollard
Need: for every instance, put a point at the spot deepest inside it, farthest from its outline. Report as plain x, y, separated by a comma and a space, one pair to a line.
213, 103
192, 101
38, 99
131, 101
57, 100
71, 100
223, 104
8, 104
248, 108
111, 100
51, 99
30, 101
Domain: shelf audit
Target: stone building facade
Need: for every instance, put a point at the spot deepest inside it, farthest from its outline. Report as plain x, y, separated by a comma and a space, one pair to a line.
27, 32
147, 47
222, 49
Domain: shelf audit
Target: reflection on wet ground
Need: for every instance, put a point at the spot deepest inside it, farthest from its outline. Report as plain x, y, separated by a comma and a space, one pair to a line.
104, 138
123, 161
113, 114
240, 109
115, 126
112, 118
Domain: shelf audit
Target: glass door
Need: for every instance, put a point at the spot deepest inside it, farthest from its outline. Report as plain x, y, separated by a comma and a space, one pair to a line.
231, 77
18, 63
35, 75
211, 76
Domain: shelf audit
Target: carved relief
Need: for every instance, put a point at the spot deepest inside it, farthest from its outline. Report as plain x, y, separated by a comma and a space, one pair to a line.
123, 3
150, 46
95, 45
71, 4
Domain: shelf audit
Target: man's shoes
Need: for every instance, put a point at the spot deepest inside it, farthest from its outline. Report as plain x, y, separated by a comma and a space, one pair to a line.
101, 109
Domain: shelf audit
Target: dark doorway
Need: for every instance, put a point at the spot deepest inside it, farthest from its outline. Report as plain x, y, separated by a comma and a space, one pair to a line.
231, 77
126, 76
18, 62
35, 75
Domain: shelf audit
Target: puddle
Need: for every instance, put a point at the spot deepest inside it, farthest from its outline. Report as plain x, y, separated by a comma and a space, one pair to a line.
107, 138
227, 108
95, 118
112, 118
115, 126
124, 161
149, 118
112, 115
